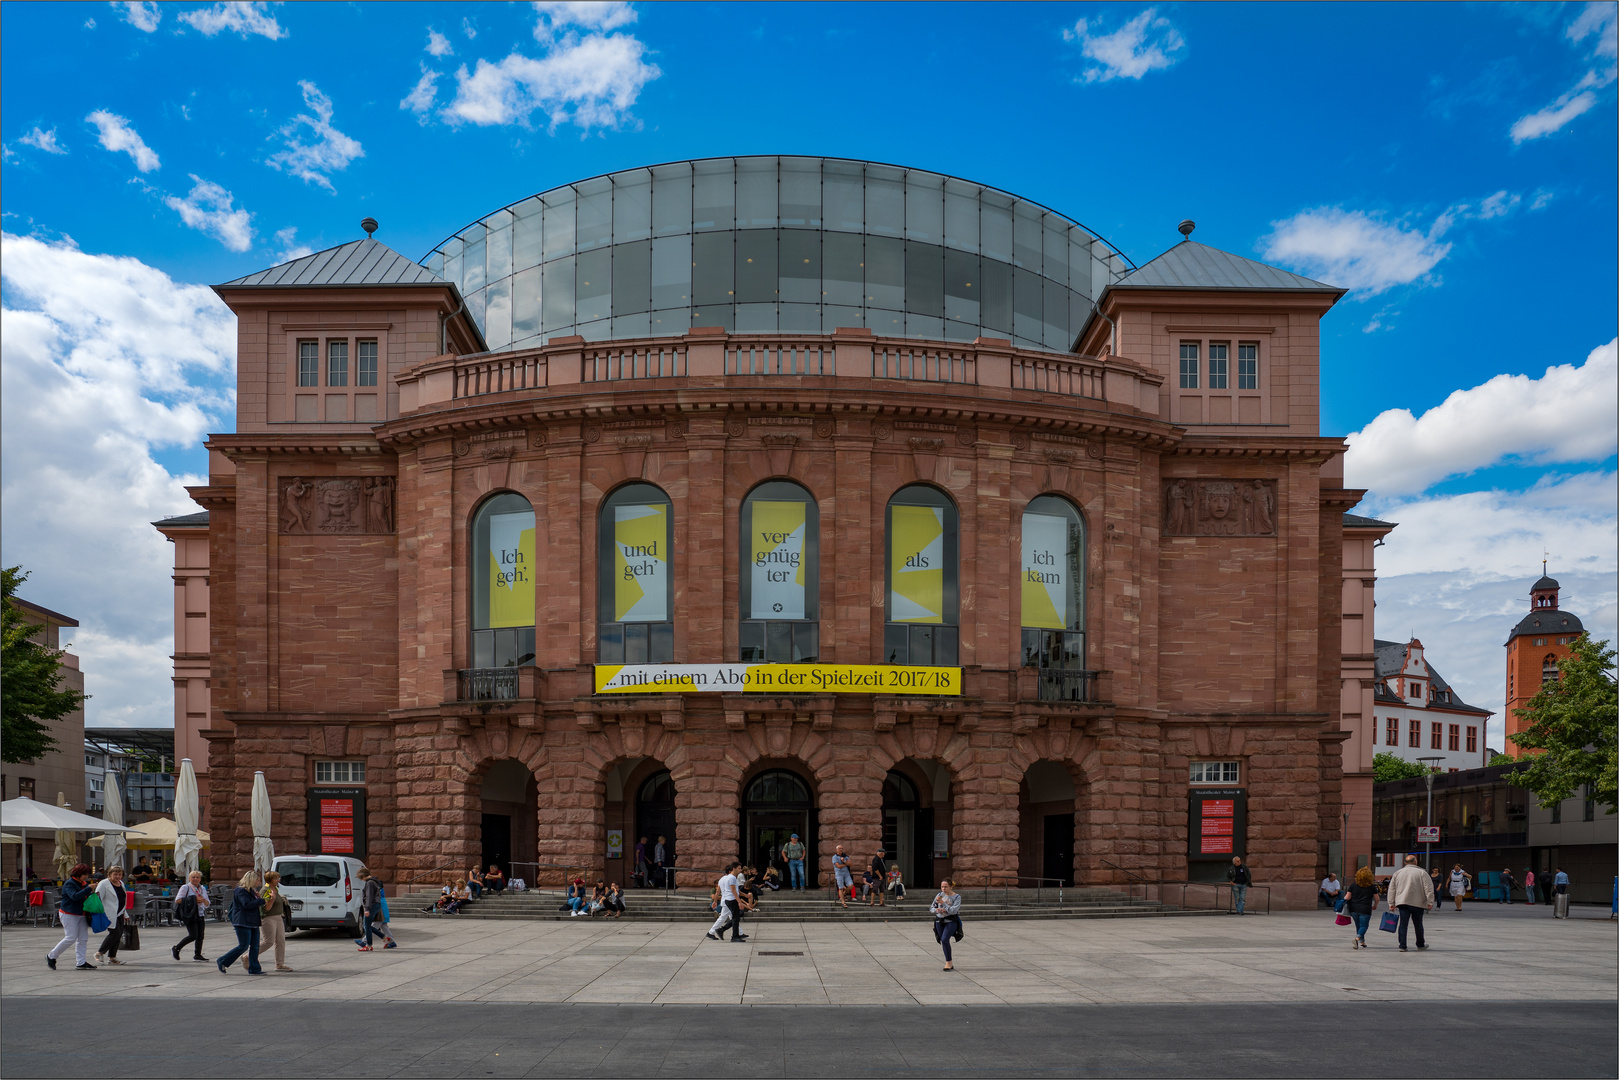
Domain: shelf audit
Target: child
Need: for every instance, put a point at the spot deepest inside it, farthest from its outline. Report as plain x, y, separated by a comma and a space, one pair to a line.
871, 886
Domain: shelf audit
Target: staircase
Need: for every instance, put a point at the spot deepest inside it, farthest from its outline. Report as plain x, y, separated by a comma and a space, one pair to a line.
691, 906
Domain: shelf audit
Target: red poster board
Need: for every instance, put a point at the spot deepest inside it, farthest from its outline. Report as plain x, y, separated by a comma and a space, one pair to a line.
1217, 824
337, 821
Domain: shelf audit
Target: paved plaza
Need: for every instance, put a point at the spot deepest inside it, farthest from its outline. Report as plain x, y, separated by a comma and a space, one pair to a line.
1487, 953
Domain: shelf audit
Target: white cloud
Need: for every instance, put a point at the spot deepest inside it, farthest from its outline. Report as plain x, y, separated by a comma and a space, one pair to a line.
438, 44
208, 209
555, 15
290, 248
330, 152
590, 82
43, 140
422, 95
141, 14
117, 135
244, 18
1145, 43
468, 29
1566, 415
105, 359
1601, 21
1353, 249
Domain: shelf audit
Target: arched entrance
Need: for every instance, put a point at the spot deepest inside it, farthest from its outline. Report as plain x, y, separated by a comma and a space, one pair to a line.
1046, 824
510, 816
908, 829
655, 820
776, 804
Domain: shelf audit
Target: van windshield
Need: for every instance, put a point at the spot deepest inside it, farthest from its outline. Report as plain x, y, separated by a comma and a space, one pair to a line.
318, 875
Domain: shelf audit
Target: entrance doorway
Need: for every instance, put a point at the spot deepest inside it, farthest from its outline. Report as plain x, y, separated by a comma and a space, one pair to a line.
509, 817
655, 818
776, 805
908, 830
1046, 825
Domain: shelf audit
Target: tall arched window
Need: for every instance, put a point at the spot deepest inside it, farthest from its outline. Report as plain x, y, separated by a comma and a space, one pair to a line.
1053, 580
780, 576
923, 579
503, 573
635, 589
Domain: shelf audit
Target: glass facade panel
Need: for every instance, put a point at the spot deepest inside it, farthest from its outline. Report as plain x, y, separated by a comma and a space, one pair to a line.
868, 240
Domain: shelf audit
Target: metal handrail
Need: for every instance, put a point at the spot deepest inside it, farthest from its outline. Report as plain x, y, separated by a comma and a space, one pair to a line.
1161, 885
989, 883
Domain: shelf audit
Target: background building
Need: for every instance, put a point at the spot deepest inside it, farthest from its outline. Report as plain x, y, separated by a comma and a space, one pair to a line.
1419, 714
1536, 644
1121, 525
59, 771
1362, 537
189, 535
144, 760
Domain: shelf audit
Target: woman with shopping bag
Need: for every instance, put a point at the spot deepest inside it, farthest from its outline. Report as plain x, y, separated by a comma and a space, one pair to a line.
112, 894
1358, 903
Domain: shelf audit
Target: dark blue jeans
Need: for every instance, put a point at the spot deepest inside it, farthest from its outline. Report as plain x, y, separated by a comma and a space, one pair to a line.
1412, 914
371, 921
247, 941
944, 930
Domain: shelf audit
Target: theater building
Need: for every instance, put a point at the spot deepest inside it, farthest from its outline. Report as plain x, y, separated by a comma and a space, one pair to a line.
726, 499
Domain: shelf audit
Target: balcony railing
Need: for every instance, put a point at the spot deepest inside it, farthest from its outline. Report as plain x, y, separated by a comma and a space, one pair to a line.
1056, 684
706, 352
487, 684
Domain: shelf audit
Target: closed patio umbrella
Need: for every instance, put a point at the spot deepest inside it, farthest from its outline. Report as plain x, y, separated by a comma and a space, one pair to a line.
263, 849
186, 844
113, 810
66, 857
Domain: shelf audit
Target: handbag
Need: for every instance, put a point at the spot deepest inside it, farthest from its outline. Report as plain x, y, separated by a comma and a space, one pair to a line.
132, 938
1391, 922
99, 922
92, 904
1342, 920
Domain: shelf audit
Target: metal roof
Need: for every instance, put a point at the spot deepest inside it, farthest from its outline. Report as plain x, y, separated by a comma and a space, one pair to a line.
1190, 265
183, 519
359, 262
1356, 521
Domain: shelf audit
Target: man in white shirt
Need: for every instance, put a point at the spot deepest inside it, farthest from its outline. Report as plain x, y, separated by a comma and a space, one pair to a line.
733, 908
1330, 887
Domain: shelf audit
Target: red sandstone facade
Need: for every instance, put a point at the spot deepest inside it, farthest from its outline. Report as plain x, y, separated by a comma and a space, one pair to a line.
1215, 641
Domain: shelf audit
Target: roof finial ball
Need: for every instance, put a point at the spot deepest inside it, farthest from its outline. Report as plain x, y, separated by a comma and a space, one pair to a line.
1186, 228
370, 226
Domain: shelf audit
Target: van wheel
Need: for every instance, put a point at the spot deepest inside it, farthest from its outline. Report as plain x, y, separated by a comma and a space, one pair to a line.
350, 926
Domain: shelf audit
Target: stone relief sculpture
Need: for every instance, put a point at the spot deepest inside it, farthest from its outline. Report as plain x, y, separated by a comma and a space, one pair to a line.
337, 505
1219, 507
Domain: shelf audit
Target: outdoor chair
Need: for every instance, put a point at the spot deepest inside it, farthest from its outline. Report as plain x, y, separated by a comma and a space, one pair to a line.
14, 905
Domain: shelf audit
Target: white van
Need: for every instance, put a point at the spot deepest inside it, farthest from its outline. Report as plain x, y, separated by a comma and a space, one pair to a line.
325, 890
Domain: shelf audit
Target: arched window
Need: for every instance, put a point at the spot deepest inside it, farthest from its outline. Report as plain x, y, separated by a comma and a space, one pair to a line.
635, 589
503, 573
1053, 589
923, 579
780, 577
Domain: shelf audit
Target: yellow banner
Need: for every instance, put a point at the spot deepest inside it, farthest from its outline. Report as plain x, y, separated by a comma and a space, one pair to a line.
917, 572
778, 560
511, 569
641, 563
776, 679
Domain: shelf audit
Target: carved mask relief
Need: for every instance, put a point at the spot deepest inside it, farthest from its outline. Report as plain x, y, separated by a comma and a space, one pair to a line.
1220, 508
337, 505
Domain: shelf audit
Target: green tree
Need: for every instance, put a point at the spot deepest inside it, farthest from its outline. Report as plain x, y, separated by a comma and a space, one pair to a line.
29, 678
1574, 722
1501, 759
1387, 766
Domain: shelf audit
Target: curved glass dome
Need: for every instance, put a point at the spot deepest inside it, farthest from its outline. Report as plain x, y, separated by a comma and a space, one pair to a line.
777, 244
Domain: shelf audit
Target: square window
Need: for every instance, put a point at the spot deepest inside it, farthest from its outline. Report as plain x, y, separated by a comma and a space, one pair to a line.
337, 363
1214, 772
1188, 365
367, 371
1218, 360
339, 772
1247, 367
309, 363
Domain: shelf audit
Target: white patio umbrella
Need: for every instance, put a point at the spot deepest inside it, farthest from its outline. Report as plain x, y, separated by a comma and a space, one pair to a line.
65, 857
29, 815
186, 844
263, 849
113, 810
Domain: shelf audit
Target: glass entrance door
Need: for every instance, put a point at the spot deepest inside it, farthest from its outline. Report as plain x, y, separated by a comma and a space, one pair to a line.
775, 805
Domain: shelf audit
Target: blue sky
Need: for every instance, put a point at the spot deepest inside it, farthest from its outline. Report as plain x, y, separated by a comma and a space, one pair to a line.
1453, 164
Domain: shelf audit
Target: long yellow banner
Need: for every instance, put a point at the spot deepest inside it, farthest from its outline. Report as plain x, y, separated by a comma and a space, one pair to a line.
776, 679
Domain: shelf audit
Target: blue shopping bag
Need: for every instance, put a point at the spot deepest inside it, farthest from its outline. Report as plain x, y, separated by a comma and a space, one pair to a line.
1391, 922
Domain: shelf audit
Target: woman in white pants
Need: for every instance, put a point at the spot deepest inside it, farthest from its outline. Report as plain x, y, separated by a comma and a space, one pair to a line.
75, 924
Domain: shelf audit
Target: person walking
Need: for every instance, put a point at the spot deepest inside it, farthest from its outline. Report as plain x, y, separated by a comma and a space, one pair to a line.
111, 893
841, 876
732, 915
1559, 894
660, 856
273, 925
75, 924
642, 871
1529, 885
1460, 882
1438, 881
245, 905
1240, 878
795, 852
191, 909
1360, 902
1508, 883
947, 920
1411, 891
371, 905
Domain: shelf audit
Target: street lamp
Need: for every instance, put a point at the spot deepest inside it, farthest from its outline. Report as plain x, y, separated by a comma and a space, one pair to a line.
1427, 852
